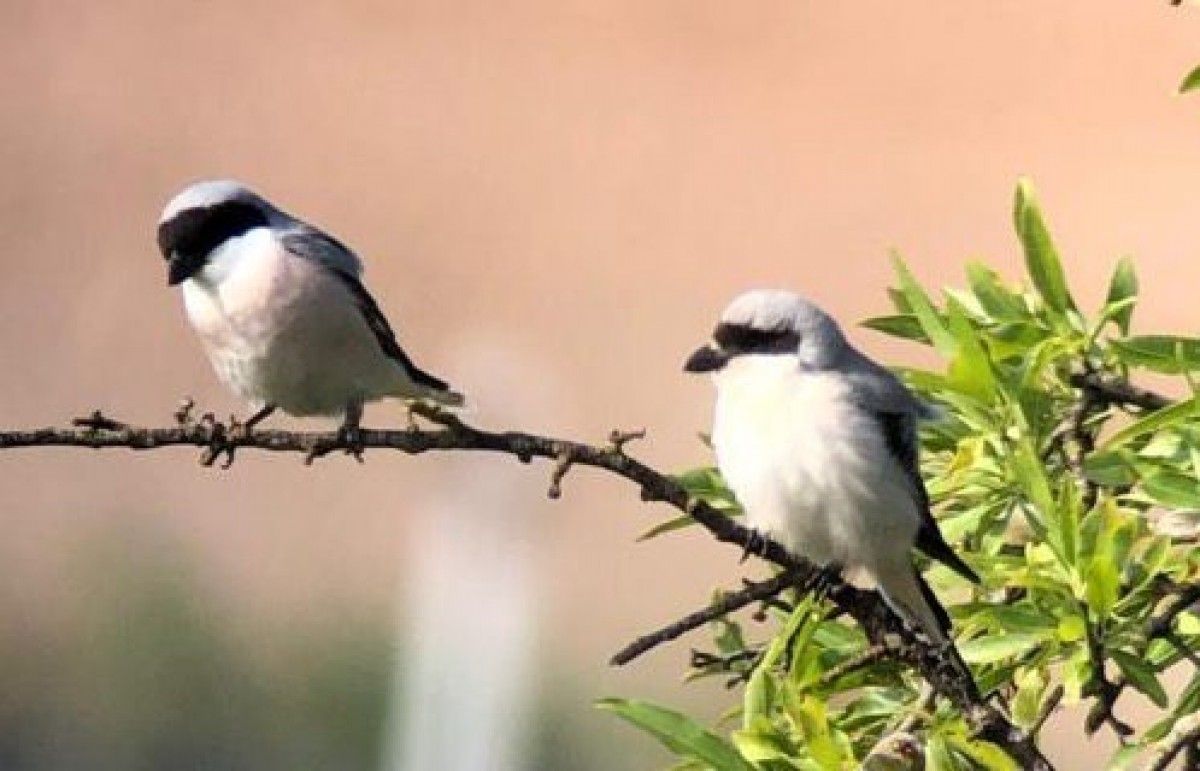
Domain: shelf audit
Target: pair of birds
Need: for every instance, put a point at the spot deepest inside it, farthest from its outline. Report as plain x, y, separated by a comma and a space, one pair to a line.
818, 442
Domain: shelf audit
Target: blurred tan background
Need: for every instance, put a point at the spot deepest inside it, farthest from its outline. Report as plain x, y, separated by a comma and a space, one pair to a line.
553, 200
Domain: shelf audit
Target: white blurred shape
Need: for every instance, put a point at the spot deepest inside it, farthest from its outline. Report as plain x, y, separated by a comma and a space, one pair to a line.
466, 680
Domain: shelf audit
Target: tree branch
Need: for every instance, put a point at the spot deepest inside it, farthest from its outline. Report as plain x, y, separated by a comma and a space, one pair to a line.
939, 665
1115, 390
725, 604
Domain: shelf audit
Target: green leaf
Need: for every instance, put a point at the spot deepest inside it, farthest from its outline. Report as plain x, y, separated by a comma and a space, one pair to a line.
938, 756
762, 746
1189, 698
679, 733
1123, 758
1111, 469
1169, 354
1026, 704
1071, 629
927, 316
1041, 256
810, 714
706, 483
1103, 583
1191, 82
1076, 673
904, 326
992, 648
728, 635
899, 302
1102, 575
1067, 515
1122, 294
1012, 339
1014, 618
1173, 488
1141, 675
999, 302
1031, 476
758, 697
970, 369
985, 754
670, 525
1155, 421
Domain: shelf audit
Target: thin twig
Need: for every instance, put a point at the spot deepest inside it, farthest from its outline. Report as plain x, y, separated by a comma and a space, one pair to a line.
872, 654
721, 607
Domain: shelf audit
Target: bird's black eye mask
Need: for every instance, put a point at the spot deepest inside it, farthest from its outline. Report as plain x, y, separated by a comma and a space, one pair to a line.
190, 236
743, 338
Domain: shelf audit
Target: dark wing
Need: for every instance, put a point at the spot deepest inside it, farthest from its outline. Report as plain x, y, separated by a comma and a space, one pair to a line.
320, 247
900, 433
311, 243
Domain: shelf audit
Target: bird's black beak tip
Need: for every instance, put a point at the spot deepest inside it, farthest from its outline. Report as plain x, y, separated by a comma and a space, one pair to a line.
177, 270
705, 359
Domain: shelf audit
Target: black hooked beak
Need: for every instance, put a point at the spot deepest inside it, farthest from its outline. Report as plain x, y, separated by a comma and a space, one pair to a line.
706, 359
180, 268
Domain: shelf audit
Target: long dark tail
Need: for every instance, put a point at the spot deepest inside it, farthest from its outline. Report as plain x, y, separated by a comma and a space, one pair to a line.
931, 618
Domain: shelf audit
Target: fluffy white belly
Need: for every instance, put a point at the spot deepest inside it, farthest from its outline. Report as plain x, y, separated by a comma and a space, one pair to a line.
810, 469
283, 331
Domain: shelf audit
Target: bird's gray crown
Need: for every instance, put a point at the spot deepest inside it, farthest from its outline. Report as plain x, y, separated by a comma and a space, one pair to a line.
776, 321
209, 193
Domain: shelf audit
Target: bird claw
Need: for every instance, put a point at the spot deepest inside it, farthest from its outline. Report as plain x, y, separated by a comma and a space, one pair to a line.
238, 430
756, 543
350, 437
221, 441
410, 415
824, 580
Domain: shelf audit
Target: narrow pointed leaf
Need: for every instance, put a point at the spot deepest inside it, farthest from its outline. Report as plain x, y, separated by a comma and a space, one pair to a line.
1191, 82
1041, 256
1122, 294
927, 316
985, 754
1173, 488
992, 648
678, 732
1141, 675
1000, 302
970, 369
1155, 421
670, 525
903, 326
1170, 354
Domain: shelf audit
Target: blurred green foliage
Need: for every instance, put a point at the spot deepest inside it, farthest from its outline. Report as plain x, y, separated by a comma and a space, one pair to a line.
146, 669
1081, 516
